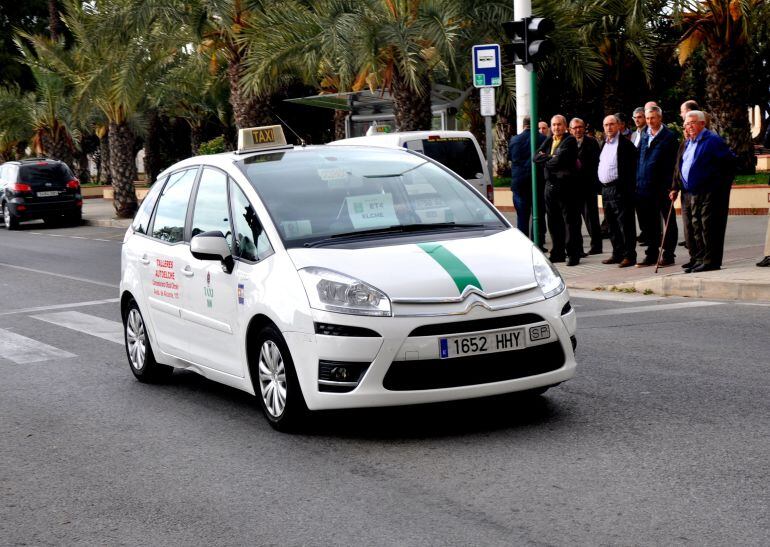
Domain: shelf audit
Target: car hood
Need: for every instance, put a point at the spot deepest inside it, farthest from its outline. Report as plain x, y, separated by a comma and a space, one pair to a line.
493, 264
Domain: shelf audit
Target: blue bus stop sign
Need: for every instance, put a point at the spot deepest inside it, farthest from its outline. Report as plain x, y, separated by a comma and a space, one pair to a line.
486, 65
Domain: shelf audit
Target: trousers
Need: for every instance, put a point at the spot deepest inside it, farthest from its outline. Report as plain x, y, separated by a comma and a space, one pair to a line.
619, 212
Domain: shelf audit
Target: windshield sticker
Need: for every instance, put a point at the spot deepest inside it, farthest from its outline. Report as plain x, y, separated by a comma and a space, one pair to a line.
292, 229
164, 281
420, 188
332, 173
432, 216
372, 211
456, 268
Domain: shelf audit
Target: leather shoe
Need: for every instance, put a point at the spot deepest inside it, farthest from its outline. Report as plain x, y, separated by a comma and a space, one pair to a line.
665, 262
682, 244
626, 262
705, 268
572, 261
764, 263
555, 259
610, 260
583, 255
689, 264
646, 262
595, 252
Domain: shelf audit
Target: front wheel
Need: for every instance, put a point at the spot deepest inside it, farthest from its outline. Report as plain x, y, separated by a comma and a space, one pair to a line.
139, 350
275, 382
11, 222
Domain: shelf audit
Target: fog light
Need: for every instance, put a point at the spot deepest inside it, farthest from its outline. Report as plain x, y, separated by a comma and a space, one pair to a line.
339, 373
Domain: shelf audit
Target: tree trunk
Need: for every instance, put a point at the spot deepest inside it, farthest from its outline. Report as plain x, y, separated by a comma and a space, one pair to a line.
105, 177
55, 25
411, 107
727, 85
123, 167
61, 147
248, 111
152, 147
339, 124
196, 136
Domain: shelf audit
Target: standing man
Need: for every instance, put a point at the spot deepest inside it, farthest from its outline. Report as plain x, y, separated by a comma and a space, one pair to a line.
641, 128
521, 179
706, 173
543, 129
558, 156
684, 108
617, 174
588, 183
654, 180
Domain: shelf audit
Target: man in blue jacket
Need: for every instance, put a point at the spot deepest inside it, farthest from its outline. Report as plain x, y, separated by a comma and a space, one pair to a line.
706, 173
521, 180
654, 177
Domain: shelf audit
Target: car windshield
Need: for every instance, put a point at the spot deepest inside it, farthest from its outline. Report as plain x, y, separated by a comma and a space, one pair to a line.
323, 195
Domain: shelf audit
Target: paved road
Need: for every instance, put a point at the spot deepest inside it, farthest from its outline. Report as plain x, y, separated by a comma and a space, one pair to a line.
662, 438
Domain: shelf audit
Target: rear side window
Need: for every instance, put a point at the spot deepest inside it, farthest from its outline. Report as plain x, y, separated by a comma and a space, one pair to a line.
142, 219
172, 207
45, 174
457, 153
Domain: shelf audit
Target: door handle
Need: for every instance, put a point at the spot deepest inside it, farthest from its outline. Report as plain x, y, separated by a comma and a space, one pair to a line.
144, 260
187, 271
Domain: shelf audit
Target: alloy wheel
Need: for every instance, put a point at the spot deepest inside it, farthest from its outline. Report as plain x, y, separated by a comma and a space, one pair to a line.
272, 378
136, 339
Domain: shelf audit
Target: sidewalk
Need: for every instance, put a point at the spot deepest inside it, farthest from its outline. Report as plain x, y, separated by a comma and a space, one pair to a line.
739, 278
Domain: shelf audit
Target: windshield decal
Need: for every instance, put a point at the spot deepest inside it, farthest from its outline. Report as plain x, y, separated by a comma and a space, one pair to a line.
460, 273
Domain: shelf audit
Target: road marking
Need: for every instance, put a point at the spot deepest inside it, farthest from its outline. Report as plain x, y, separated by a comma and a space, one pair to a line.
62, 306
22, 350
72, 277
90, 324
654, 308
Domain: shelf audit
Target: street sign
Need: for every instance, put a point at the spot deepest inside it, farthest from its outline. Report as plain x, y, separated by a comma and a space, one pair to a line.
487, 100
486, 65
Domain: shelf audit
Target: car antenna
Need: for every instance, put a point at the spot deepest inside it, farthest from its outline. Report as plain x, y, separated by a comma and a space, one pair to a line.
301, 140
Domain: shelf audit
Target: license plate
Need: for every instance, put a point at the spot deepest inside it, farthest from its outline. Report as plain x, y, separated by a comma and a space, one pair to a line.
476, 344
48, 194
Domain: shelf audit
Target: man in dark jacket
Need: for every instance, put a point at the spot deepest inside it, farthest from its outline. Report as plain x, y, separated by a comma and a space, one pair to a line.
617, 174
706, 172
587, 164
558, 156
654, 176
521, 180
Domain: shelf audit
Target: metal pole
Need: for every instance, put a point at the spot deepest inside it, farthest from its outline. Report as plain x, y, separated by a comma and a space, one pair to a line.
533, 149
490, 138
521, 9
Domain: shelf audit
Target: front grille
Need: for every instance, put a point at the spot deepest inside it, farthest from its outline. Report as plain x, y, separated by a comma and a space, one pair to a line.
476, 325
477, 369
329, 329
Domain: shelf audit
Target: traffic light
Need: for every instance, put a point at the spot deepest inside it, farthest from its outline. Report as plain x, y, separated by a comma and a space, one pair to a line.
529, 40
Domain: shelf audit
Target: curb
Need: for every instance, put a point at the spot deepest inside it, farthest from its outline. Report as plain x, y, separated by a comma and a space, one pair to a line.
107, 222
701, 287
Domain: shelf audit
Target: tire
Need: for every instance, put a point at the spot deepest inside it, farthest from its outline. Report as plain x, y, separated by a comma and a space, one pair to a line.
74, 219
10, 221
275, 382
141, 359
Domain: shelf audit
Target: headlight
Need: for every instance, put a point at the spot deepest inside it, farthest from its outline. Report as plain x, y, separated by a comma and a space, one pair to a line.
332, 291
547, 277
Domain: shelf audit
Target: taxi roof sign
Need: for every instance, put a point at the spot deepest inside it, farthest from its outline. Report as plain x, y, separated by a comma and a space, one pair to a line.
261, 138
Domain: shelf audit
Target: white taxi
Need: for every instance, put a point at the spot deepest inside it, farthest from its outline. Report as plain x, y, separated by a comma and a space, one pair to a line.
324, 277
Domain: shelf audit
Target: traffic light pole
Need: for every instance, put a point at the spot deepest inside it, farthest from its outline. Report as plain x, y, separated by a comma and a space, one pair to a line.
533, 150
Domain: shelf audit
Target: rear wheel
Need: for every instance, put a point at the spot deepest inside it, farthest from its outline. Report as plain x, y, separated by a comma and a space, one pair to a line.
74, 219
275, 382
139, 350
11, 222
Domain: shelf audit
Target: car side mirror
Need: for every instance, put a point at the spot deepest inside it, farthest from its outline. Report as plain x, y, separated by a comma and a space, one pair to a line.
212, 246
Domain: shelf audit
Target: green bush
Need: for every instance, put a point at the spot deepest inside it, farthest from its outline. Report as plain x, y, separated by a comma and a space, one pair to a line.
214, 146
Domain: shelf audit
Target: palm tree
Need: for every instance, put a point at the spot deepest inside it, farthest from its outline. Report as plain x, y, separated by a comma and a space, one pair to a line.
220, 25
119, 48
16, 125
724, 28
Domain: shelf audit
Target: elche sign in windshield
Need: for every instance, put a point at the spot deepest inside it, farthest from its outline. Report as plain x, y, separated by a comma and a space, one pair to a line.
486, 65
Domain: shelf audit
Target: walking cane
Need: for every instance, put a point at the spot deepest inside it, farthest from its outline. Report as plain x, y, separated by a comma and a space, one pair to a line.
665, 229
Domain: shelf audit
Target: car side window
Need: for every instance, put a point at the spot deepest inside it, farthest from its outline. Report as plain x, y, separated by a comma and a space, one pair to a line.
142, 219
211, 213
172, 207
251, 240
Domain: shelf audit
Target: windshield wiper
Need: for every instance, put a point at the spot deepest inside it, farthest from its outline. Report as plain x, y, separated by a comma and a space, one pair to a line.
395, 229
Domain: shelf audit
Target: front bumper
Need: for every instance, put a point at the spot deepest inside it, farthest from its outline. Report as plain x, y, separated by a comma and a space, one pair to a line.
402, 366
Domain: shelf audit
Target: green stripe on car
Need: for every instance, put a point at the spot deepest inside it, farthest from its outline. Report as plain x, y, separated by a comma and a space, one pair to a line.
456, 268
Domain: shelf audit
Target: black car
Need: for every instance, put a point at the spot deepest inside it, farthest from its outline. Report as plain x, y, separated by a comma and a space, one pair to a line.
39, 188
